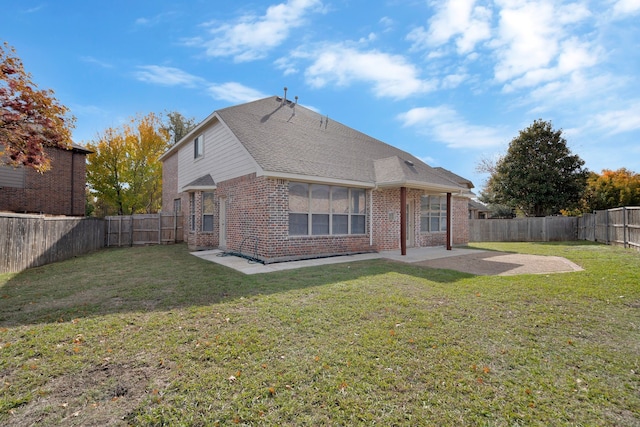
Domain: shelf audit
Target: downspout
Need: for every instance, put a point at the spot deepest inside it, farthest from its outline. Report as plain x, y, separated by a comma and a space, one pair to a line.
403, 220
449, 216
371, 217
73, 168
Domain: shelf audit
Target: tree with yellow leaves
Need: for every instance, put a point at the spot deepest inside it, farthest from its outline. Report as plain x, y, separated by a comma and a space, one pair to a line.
30, 119
124, 173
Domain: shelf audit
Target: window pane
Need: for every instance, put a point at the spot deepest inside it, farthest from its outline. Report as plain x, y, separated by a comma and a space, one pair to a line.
424, 223
298, 224
358, 224
424, 203
320, 224
435, 224
435, 203
298, 197
443, 224
358, 204
340, 224
320, 198
340, 200
208, 206
207, 223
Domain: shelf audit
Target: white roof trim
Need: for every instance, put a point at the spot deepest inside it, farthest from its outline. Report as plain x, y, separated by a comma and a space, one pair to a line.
189, 188
316, 179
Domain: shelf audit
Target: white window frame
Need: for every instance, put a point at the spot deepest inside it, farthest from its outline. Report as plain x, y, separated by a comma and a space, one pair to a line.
206, 214
198, 147
331, 211
427, 213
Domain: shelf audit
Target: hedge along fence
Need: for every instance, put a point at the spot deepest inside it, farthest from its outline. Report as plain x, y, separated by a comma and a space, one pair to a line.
33, 240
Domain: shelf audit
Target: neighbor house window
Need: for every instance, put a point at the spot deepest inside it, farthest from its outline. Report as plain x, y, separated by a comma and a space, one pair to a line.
208, 208
198, 147
319, 210
192, 211
433, 214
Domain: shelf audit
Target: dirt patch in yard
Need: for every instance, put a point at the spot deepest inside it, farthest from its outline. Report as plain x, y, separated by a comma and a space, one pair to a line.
489, 263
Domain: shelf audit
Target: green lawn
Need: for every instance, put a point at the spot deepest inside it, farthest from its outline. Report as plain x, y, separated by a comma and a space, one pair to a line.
155, 336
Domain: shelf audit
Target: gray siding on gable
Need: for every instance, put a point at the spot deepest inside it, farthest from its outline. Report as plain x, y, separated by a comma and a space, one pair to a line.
12, 177
224, 157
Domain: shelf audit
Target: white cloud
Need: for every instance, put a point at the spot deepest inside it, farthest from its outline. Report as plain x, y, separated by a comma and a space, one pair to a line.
535, 45
626, 7
461, 20
446, 126
251, 36
391, 75
234, 92
620, 120
92, 60
166, 76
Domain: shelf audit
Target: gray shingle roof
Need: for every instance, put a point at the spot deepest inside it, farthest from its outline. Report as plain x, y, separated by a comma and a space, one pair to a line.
203, 181
291, 139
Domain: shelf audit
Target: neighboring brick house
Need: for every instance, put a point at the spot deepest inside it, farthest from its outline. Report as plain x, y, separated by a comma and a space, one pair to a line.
59, 191
278, 181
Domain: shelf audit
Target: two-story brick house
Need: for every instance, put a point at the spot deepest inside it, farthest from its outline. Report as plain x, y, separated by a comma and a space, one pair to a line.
59, 191
284, 182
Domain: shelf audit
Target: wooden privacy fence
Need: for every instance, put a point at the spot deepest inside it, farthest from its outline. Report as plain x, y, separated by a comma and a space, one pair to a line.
620, 226
33, 240
144, 229
536, 229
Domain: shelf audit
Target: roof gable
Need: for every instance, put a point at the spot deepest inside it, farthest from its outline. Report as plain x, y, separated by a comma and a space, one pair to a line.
287, 139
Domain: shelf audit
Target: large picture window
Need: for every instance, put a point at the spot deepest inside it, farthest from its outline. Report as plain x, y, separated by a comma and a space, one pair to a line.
318, 210
433, 214
208, 209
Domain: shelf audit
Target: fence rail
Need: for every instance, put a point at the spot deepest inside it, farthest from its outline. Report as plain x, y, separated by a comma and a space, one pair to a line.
143, 229
33, 240
537, 229
620, 226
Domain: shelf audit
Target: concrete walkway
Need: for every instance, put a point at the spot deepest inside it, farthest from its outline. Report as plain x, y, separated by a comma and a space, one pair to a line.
413, 255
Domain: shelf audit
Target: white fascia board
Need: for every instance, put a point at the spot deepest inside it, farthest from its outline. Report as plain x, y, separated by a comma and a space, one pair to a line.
420, 185
190, 188
316, 179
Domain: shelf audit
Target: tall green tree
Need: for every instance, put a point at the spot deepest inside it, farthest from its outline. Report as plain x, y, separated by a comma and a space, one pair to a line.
30, 118
178, 126
538, 175
124, 172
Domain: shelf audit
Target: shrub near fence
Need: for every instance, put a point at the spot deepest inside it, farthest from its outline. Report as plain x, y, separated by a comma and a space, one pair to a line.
33, 240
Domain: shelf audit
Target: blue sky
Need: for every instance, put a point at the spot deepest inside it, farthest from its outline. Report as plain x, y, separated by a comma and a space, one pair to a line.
452, 82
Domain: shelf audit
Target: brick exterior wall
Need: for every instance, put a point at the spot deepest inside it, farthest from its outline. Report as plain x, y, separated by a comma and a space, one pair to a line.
59, 191
257, 218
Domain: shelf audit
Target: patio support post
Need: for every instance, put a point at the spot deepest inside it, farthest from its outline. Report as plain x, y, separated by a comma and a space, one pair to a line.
449, 217
403, 220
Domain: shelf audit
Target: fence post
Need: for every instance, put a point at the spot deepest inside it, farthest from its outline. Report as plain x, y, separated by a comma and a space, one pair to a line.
159, 228
624, 226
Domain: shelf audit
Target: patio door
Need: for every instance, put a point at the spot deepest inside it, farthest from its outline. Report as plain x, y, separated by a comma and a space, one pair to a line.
410, 222
222, 220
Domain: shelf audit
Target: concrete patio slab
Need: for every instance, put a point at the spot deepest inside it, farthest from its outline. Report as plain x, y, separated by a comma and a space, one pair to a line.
414, 255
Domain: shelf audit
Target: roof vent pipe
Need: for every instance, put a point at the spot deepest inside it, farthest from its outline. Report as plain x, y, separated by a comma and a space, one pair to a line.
284, 100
